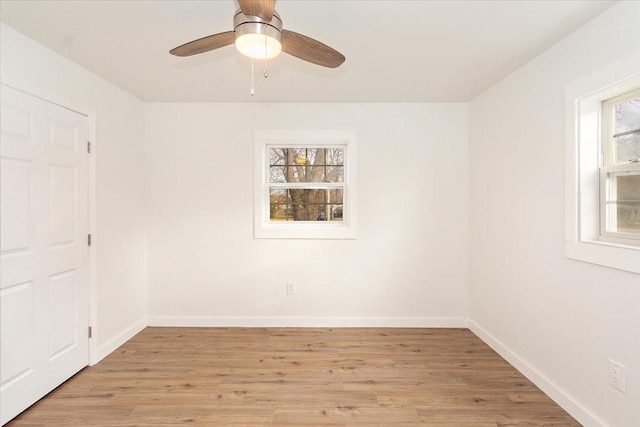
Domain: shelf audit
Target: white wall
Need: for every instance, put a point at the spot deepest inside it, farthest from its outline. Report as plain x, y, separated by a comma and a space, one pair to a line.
408, 265
119, 154
557, 319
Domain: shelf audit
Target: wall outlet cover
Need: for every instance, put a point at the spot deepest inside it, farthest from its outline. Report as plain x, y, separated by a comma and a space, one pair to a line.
617, 376
291, 287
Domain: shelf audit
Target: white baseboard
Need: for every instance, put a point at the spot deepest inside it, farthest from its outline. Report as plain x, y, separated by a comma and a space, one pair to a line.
319, 322
112, 344
575, 409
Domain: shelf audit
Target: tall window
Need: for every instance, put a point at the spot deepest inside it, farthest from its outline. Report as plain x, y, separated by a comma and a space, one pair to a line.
602, 169
305, 184
620, 170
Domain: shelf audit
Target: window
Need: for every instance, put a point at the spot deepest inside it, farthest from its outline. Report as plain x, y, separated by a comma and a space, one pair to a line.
620, 171
602, 172
305, 184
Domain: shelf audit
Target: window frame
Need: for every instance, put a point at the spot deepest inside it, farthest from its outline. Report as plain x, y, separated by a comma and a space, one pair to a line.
264, 228
583, 101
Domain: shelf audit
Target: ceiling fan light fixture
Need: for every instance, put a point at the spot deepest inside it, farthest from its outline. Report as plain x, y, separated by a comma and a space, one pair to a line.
257, 38
257, 33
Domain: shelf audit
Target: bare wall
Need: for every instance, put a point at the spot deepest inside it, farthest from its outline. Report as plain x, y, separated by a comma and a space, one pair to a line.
560, 320
408, 266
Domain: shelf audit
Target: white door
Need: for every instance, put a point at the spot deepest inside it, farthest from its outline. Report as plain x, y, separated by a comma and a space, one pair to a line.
44, 286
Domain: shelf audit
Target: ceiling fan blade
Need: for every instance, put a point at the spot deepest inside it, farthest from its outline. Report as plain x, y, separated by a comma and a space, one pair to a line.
204, 44
311, 50
262, 8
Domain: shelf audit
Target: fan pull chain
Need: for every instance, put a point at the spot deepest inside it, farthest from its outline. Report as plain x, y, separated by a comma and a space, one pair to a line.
252, 91
266, 73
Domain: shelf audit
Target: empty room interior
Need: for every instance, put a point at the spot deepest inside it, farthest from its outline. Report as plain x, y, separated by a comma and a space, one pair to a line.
320, 213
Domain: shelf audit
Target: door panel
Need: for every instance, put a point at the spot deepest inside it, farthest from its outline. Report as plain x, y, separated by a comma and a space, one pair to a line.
44, 289
63, 136
15, 183
62, 205
17, 307
63, 291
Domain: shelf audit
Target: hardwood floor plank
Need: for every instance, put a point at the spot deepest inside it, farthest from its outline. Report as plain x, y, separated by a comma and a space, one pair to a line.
298, 376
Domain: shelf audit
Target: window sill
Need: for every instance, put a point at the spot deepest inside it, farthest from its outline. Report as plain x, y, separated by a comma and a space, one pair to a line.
626, 258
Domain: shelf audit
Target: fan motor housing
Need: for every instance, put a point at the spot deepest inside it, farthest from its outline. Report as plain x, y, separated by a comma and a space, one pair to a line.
249, 24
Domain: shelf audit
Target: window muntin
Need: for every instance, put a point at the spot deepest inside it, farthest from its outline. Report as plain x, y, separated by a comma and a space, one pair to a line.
620, 170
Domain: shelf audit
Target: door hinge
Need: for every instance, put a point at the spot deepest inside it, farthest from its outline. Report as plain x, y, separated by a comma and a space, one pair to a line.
88, 146
89, 239
90, 332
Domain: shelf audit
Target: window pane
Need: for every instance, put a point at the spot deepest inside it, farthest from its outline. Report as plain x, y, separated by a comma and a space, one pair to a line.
281, 212
297, 156
305, 204
315, 173
335, 196
324, 173
276, 156
317, 156
628, 115
623, 204
627, 148
335, 156
334, 174
336, 212
279, 196
277, 174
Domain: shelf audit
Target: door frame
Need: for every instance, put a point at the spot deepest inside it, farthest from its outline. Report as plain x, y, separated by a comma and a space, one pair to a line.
91, 115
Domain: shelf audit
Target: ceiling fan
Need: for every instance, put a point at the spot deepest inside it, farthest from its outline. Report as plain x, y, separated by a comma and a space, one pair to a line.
258, 34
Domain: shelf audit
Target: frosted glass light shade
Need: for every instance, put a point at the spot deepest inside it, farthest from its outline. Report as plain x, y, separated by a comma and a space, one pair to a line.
258, 46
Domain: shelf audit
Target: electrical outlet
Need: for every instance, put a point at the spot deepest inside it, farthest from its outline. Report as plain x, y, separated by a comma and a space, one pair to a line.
291, 287
617, 376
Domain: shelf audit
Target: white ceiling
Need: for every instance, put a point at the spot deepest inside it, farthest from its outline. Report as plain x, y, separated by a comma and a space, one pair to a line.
397, 51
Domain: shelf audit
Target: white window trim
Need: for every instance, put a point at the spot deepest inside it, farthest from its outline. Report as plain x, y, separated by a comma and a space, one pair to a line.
582, 210
265, 229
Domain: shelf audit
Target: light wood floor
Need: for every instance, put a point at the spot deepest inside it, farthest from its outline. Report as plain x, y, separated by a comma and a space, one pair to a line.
298, 377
